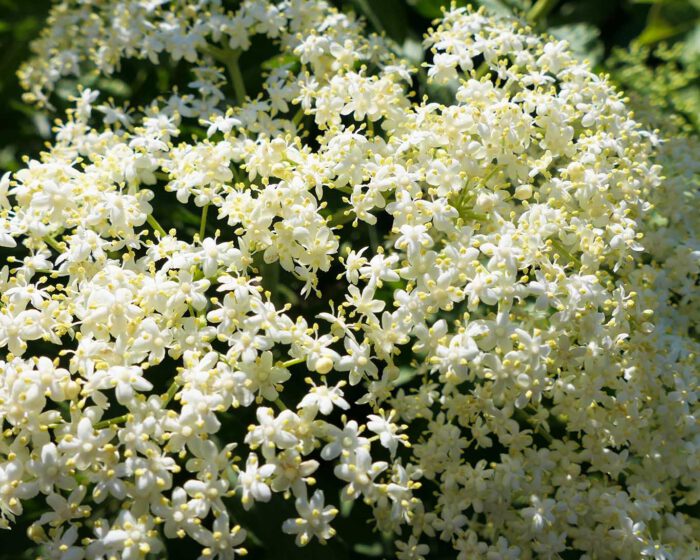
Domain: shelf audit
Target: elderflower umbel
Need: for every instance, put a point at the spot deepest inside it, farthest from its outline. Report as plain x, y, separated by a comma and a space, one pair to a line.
502, 369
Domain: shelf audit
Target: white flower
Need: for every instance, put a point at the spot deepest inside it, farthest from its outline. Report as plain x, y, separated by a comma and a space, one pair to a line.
411, 550
152, 341
263, 377
344, 441
313, 521
324, 398
364, 302
387, 431
222, 542
49, 471
358, 362
527, 276
359, 471
189, 292
272, 431
124, 379
4, 187
83, 447
540, 512
252, 483
133, 537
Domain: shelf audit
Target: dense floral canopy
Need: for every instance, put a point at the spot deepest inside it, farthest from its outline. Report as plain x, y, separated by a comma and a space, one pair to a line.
454, 293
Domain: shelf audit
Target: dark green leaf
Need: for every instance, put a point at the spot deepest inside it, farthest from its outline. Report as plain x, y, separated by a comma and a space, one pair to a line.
279, 61
668, 19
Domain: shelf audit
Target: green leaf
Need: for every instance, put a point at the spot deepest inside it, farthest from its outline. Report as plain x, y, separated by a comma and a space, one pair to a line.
114, 87
660, 31
428, 8
496, 7
406, 374
391, 15
373, 550
691, 49
668, 19
431, 9
279, 61
23, 108
345, 505
583, 38
413, 51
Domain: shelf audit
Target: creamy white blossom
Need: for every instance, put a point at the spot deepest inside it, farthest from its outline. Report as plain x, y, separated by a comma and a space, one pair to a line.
498, 362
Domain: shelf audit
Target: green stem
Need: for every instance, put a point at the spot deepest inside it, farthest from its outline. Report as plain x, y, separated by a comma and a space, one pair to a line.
269, 274
237, 176
229, 58
155, 225
186, 215
298, 116
290, 363
280, 404
481, 70
166, 397
538, 428
53, 243
370, 15
342, 216
346, 190
562, 250
111, 422
170, 393
291, 296
470, 215
373, 238
489, 175
203, 222
234, 71
540, 10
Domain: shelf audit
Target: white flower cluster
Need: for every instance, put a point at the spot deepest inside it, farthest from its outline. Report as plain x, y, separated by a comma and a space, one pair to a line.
490, 375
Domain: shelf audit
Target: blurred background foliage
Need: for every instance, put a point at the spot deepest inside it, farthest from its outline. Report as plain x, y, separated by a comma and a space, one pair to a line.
650, 48
22, 129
